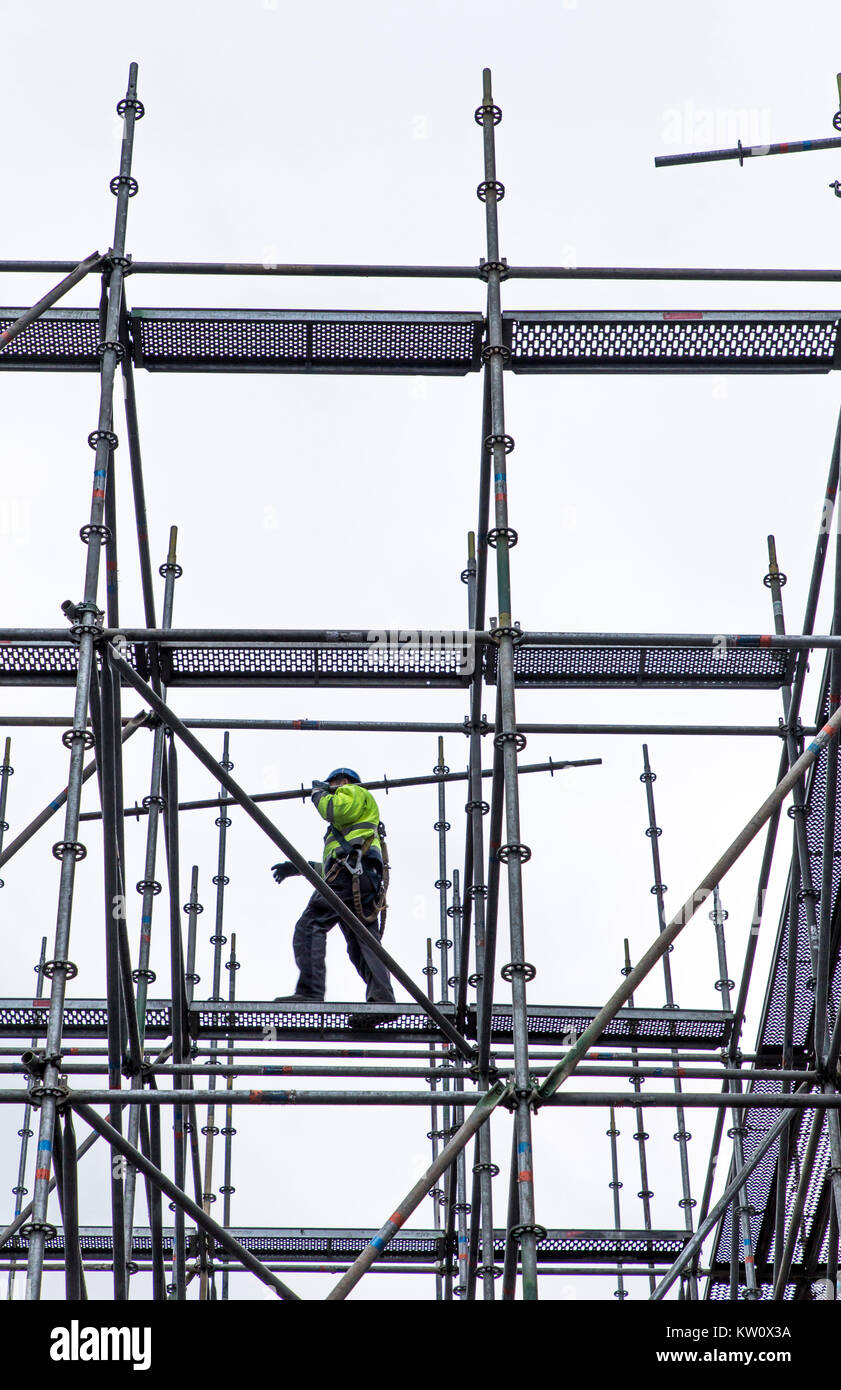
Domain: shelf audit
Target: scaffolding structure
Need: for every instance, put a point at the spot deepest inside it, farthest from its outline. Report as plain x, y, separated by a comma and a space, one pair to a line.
773, 1233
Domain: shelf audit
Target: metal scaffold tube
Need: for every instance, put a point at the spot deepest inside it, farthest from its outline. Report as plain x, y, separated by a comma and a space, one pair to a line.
69, 851
514, 853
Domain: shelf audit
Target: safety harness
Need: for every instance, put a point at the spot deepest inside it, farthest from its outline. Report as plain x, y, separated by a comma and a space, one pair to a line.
350, 856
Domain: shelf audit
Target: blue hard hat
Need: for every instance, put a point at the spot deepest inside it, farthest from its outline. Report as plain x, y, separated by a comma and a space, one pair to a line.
343, 772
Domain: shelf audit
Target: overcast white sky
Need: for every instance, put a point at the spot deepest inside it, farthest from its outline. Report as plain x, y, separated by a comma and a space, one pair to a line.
345, 133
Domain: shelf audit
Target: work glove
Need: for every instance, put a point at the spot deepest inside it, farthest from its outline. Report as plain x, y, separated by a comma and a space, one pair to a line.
282, 871
319, 789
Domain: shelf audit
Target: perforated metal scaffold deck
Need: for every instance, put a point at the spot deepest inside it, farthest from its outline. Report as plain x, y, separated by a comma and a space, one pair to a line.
421, 664
295, 340
422, 1247
88, 1018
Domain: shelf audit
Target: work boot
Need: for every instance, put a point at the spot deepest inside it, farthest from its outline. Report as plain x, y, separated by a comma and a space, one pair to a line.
298, 999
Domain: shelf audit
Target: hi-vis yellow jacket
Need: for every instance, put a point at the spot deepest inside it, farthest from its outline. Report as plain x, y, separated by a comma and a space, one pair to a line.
355, 814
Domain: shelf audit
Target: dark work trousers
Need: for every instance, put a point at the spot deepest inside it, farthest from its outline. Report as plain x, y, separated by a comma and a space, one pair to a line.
310, 939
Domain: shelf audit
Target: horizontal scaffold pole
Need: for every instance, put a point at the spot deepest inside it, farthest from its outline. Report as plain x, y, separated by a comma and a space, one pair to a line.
743, 152
387, 784
445, 272
367, 638
586, 1100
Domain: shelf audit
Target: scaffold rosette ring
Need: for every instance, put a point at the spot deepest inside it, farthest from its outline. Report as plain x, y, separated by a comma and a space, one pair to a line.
42, 1092
233, 965
486, 1168
506, 852
141, 973
170, 568
494, 1271
442, 825
515, 633
506, 533
528, 1228
69, 737
108, 435
131, 104
477, 890
518, 967
94, 529
782, 579
506, 440
429, 970
220, 878
74, 847
445, 941
150, 884
475, 980
33, 1228
102, 348
519, 740
127, 180
487, 108
193, 907
51, 967
485, 268
496, 350
443, 882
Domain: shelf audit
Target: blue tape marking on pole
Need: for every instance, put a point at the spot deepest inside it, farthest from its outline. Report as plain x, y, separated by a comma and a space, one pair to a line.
378, 1243
146, 919
99, 473
54, 805
45, 1144
814, 747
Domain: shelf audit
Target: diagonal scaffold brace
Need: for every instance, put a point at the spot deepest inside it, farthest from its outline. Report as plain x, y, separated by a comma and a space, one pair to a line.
244, 800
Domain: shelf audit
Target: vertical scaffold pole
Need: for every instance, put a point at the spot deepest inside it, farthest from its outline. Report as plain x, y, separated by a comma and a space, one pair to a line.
435, 1195
514, 853
613, 1134
442, 883
20, 1190
149, 886
476, 893
218, 940
740, 1210
645, 1193
227, 1189
687, 1201
69, 851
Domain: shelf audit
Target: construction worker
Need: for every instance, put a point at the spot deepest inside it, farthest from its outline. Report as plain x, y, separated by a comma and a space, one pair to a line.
352, 864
